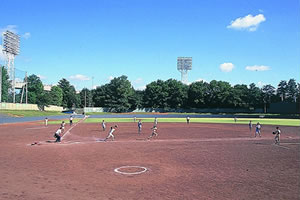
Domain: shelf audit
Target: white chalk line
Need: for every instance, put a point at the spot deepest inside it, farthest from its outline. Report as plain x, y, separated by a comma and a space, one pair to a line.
166, 140
69, 130
42, 127
277, 145
118, 170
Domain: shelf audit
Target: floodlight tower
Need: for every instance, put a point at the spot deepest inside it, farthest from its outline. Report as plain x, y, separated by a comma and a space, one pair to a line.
183, 65
11, 48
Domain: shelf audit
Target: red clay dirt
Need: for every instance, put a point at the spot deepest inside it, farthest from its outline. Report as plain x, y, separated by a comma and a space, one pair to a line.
195, 161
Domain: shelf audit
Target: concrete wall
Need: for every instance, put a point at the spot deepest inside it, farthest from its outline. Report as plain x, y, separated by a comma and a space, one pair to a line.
22, 106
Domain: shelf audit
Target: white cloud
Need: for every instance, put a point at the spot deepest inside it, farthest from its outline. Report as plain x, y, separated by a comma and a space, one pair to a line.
138, 81
26, 35
41, 77
80, 77
248, 22
226, 67
257, 68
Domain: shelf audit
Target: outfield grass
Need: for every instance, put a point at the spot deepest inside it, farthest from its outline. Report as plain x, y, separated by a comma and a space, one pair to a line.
75, 120
279, 122
29, 113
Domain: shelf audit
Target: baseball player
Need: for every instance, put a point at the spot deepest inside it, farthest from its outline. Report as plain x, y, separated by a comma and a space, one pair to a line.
257, 129
250, 125
187, 119
155, 121
277, 135
71, 120
139, 126
110, 134
46, 121
154, 132
57, 135
103, 125
62, 126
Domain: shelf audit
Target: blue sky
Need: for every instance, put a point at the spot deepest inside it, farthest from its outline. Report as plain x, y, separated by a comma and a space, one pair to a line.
89, 42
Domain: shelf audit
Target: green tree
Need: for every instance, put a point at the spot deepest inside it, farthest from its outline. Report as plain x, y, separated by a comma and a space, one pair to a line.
282, 90
198, 93
86, 98
268, 95
118, 95
139, 95
292, 90
35, 89
219, 94
70, 99
155, 95
239, 97
255, 96
5, 84
177, 94
99, 95
56, 96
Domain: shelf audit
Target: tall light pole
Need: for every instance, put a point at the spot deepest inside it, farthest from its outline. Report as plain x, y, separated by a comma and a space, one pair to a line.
11, 48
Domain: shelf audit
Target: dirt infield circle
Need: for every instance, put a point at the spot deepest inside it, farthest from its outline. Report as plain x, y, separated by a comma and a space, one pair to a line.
122, 170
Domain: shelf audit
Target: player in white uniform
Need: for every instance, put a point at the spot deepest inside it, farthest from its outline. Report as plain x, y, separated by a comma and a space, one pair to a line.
62, 126
154, 132
103, 125
155, 121
57, 135
110, 134
277, 135
46, 121
187, 119
71, 120
258, 129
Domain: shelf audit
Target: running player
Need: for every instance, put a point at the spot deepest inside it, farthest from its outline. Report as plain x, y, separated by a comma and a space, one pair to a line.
139, 126
57, 135
154, 132
110, 134
277, 135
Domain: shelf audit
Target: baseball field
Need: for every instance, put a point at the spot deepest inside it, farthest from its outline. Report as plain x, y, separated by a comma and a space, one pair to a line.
185, 161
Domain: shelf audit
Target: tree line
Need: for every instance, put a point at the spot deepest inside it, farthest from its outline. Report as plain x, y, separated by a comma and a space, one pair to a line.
119, 95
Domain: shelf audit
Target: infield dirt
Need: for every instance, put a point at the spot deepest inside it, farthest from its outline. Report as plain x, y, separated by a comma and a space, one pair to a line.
186, 161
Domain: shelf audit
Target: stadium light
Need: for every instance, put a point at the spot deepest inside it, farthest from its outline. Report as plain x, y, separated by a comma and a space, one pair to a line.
11, 48
183, 65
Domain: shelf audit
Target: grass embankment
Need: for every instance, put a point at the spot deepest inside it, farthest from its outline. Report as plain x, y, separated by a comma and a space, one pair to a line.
29, 113
279, 122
